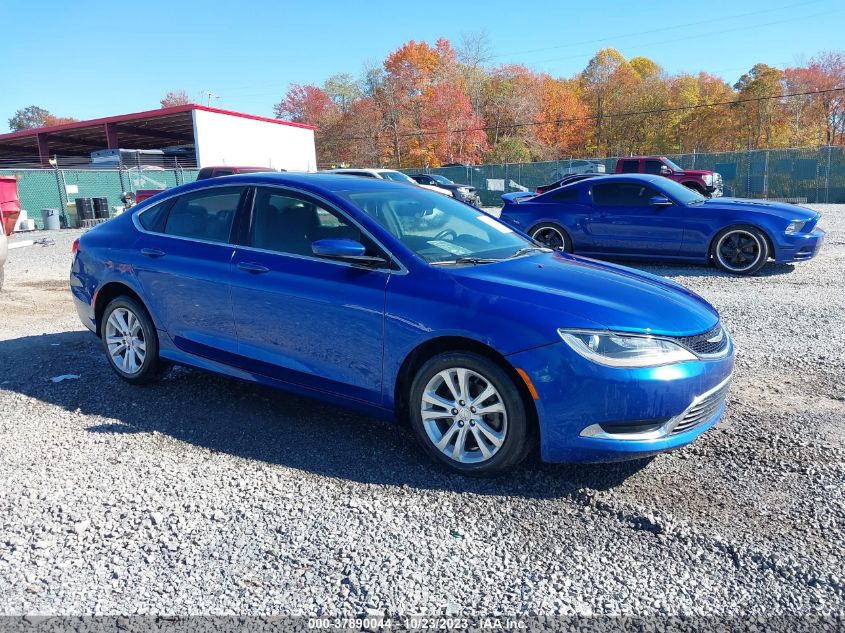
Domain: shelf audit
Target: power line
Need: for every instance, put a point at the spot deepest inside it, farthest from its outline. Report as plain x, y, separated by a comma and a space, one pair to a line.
591, 117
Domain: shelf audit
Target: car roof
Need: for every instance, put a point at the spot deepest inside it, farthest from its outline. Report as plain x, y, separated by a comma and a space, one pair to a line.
348, 170
320, 181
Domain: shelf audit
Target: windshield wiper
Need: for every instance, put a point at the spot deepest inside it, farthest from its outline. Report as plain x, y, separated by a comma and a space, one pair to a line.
467, 260
530, 249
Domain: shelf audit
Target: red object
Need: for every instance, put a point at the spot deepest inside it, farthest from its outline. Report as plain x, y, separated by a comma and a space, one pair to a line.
692, 178
10, 203
75, 246
143, 194
161, 112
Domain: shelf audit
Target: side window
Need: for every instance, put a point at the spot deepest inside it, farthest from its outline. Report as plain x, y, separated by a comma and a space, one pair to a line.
153, 219
564, 194
287, 223
204, 215
653, 167
630, 166
622, 194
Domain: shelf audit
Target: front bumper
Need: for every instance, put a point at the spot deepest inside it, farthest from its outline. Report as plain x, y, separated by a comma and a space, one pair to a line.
798, 247
592, 413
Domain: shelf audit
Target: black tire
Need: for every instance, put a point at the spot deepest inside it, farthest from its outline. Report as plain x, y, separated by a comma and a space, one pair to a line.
697, 188
514, 427
740, 250
151, 368
552, 235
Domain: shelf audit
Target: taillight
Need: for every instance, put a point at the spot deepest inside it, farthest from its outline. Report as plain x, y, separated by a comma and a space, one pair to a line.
537, 190
75, 246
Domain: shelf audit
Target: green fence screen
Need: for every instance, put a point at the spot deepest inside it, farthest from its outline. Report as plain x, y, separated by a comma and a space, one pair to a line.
56, 188
793, 175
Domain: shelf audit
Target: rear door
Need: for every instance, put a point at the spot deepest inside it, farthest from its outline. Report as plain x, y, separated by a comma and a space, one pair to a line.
307, 320
184, 257
624, 222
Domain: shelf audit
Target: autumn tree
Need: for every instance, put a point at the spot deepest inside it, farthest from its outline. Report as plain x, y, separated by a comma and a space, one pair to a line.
34, 117
175, 98
758, 106
453, 132
562, 118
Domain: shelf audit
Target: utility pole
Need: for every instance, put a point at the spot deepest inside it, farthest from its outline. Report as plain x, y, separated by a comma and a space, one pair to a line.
209, 96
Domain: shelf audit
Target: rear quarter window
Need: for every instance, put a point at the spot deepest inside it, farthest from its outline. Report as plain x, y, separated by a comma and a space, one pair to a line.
564, 194
153, 219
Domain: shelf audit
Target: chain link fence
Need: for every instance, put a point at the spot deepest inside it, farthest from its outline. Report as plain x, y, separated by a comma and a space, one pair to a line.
58, 188
804, 175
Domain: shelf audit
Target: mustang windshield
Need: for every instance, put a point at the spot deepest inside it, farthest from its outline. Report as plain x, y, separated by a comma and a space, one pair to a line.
684, 195
439, 229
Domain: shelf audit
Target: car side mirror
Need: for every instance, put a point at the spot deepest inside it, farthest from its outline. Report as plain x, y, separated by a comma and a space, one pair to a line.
660, 201
346, 250
665, 170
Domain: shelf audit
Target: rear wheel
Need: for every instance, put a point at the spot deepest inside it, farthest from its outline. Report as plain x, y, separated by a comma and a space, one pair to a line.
468, 414
552, 236
130, 341
741, 250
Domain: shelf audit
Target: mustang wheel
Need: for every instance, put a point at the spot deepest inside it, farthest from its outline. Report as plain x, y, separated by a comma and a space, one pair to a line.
468, 414
553, 236
130, 341
741, 250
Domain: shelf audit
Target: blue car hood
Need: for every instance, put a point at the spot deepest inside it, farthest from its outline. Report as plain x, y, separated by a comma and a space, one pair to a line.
781, 210
596, 293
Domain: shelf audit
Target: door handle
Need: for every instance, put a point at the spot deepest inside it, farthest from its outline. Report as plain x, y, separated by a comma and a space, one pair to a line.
253, 268
152, 252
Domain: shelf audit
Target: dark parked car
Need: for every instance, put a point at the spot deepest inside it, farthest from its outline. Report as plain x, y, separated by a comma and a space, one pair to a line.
566, 180
654, 218
485, 344
464, 193
226, 170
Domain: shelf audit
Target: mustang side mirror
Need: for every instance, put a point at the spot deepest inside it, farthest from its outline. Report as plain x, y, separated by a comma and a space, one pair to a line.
346, 250
660, 201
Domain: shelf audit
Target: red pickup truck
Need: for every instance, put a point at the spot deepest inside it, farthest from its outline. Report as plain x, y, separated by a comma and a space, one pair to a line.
707, 183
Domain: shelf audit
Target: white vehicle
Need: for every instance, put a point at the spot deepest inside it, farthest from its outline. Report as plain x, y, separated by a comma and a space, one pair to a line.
389, 174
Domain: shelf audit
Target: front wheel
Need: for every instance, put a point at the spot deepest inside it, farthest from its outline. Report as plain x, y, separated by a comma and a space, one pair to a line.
740, 250
468, 414
130, 341
552, 236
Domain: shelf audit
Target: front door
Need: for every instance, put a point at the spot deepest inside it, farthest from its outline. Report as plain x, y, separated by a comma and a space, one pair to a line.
310, 321
624, 222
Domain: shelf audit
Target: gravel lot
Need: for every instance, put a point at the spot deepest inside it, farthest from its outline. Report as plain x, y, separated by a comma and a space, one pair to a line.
205, 495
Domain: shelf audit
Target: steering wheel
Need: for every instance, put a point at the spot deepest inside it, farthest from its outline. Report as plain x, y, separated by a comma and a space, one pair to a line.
446, 234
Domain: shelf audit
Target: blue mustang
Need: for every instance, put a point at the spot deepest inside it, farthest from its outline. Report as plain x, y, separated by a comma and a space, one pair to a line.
653, 218
408, 305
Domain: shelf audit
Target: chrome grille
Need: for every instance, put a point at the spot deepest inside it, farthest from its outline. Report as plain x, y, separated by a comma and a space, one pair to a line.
702, 409
714, 342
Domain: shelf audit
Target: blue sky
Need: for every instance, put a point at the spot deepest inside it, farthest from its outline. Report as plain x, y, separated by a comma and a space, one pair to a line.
92, 58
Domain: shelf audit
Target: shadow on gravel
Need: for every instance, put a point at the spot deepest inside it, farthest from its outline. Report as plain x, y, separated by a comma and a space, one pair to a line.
236, 418
690, 270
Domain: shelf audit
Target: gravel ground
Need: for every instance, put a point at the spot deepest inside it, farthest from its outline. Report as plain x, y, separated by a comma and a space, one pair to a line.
205, 495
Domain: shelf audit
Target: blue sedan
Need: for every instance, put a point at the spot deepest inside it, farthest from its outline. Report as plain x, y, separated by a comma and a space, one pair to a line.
641, 217
407, 305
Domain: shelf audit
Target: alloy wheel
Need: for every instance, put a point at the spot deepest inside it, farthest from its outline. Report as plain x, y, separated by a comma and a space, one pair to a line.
549, 236
125, 341
464, 415
738, 250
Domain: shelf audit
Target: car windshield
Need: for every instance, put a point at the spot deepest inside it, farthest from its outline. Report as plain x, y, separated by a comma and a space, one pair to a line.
396, 176
441, 230
672, 165
682, 194
441, 179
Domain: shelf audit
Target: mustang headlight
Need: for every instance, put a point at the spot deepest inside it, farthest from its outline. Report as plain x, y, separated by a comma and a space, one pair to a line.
624, 350
795, 227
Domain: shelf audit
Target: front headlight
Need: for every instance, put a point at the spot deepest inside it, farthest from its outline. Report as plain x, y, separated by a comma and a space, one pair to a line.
795, 227
708, 179
624, 350
464, 190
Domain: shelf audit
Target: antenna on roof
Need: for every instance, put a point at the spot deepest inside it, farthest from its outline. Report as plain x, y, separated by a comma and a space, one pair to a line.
210, 95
